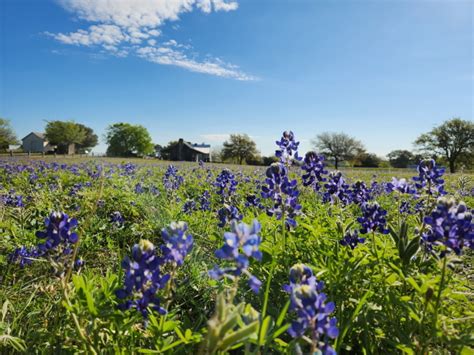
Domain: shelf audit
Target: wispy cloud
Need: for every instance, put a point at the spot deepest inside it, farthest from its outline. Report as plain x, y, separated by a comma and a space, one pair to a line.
133, 27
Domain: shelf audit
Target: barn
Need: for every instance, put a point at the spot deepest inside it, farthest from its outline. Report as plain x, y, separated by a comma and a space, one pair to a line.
36, 142
186, 151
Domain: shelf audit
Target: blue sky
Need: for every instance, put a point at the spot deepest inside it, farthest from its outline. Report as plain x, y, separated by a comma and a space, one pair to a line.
381, 71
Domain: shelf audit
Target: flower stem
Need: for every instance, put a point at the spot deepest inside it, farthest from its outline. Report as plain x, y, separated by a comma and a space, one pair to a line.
438, 297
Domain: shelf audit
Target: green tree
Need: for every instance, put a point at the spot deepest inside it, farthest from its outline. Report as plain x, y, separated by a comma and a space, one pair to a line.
65, 134
239, 147
338, 146
125, 139
90, 141
7, 136
454, 139
368, 160
401, 158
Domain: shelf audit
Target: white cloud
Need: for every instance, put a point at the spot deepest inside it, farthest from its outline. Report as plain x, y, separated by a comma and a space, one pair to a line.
120, 27
171, 56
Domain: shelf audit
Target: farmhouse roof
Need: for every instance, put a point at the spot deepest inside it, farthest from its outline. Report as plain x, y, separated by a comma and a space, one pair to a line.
37, 134
201, 148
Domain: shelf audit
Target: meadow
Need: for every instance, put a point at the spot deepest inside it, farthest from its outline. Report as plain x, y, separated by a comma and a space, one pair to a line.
139, 256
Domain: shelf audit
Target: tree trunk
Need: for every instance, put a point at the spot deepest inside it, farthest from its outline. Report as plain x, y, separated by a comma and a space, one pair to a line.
451, 166
335, 162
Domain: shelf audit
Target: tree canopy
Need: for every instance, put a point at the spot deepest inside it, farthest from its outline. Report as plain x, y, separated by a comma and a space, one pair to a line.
454, 139
65, 134
239, 147
338, 146
90, 141
125, 139
401, 158
368, 160
7, 136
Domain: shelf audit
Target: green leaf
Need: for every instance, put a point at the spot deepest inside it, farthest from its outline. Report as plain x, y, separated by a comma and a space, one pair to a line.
282, 315
239, 335
265, 327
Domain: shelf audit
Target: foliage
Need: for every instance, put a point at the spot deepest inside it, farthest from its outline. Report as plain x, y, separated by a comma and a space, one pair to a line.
90, 141
401, 158
239, 147
125, 140
338, 146
64, 134
454, 139
7, 136
367, 160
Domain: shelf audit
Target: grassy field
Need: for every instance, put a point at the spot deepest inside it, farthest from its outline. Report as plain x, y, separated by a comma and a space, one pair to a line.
126, 279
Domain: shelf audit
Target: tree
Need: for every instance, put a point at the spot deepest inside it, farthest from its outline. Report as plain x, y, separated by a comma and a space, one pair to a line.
65, 134
216, 154
90, 141
240, 147
125, 139
7, 136
454, 139
338, 146
401, 158
368, 160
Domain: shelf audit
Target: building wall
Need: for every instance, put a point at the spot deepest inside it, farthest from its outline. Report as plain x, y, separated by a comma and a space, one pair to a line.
33, 144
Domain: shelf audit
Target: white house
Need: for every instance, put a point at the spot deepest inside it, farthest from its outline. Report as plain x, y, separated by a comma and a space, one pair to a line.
36, 142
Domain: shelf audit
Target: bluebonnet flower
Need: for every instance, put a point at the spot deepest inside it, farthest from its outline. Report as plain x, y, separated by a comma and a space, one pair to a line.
12, 199
336, 187
400, 185
142, 280
253, 201
189, 207
451, 225
420, 206
24, 255
405, 207
314, 168
351, 239
240, 244
57, 240
117, 218
373, 218
205, 201
429, 177
228, 213
178, 243
59, 231
283, 192
312, 311
128, 169
139, 188
172, 180
226, 183
377, 189
359, 193
288, 148
75, 189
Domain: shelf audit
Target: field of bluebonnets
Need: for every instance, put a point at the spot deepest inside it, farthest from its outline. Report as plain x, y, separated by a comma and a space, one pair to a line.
101, 257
